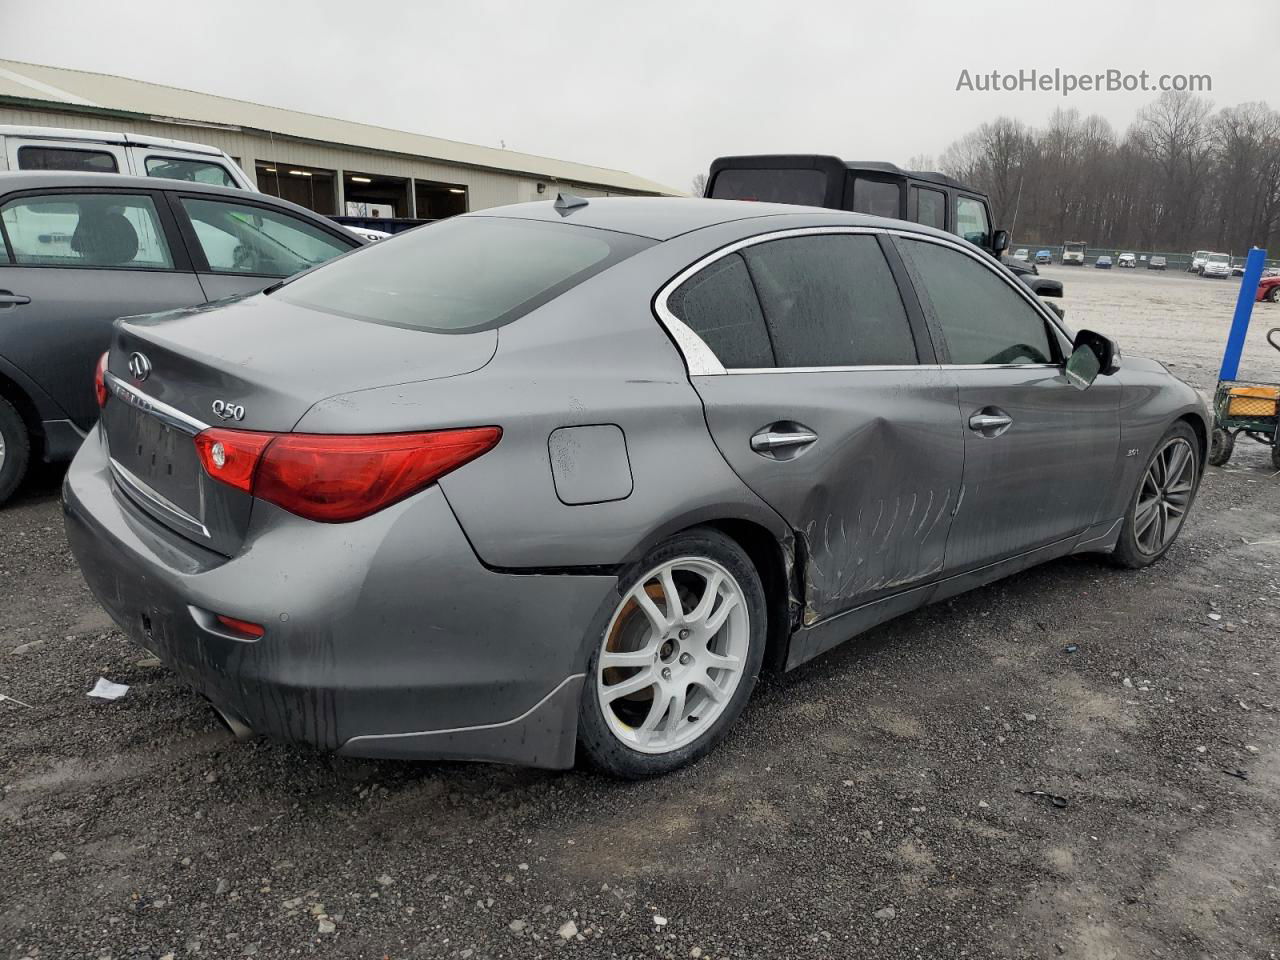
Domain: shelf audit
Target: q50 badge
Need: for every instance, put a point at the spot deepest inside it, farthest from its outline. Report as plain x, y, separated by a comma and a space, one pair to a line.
228, 411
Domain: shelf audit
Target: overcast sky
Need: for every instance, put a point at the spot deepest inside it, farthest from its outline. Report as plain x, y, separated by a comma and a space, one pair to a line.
657, 88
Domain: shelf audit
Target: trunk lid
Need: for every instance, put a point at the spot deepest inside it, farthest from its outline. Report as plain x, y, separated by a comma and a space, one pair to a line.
251, 364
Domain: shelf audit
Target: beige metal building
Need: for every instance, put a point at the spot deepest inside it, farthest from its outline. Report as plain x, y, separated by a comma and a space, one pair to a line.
332, 166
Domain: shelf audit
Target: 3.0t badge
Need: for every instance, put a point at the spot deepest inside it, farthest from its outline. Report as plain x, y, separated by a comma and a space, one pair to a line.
228, 411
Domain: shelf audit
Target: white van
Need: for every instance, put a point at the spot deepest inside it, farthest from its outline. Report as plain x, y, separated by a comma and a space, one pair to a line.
93, 151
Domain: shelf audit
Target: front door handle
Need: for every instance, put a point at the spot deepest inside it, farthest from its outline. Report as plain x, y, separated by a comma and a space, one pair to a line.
782, 441
8, 299
990, 422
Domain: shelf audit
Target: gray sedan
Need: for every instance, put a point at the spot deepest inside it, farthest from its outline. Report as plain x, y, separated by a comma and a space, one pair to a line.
570, 476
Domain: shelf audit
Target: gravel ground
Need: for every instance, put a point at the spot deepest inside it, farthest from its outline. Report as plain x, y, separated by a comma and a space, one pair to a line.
866, 806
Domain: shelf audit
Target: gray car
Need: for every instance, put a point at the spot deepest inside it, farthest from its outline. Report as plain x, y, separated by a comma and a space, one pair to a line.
79, 250
571, 475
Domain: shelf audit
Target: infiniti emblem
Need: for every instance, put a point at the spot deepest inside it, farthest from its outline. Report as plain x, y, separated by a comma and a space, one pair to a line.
139, 366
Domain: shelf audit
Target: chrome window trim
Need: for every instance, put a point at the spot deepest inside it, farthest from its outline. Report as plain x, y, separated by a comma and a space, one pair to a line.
154, 502
157, 408
702, 361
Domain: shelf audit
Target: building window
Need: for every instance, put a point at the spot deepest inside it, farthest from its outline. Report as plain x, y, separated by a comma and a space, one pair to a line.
308, 187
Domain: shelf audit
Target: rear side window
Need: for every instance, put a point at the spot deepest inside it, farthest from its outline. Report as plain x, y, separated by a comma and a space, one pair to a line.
806, 187
981, 317
928, 207
463, 274
86, 230
877, 198
719, 304
194, 171
66, 158
243, 238
830, 301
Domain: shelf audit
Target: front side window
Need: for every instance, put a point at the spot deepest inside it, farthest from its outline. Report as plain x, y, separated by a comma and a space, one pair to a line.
971, 221
193, 171
982, 319
877, 198
461, 275
242, 238
830, 300
86, 230
66, 158
928, 207
719, 304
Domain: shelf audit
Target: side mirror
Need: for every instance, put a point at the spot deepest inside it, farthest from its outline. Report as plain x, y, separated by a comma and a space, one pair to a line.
999, 242
1045, 287
1093, 356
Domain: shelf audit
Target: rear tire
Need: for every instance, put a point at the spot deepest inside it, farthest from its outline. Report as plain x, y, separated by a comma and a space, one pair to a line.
686, 674
1165, 492
1273, 295
1221, 447
15, 449
1275, 451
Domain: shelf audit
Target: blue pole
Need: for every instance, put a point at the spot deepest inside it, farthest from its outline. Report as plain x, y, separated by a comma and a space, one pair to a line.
1244, 309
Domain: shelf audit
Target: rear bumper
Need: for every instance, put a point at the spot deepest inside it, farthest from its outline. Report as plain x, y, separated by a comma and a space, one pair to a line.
385, 637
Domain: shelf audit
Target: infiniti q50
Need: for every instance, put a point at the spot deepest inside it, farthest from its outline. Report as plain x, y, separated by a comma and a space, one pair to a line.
561, 479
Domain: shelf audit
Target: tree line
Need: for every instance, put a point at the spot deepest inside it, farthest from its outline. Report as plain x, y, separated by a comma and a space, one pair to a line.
1182, 177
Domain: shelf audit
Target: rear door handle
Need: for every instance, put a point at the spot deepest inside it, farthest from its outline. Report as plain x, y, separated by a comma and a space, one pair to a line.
781, 442
990, 422
8, 299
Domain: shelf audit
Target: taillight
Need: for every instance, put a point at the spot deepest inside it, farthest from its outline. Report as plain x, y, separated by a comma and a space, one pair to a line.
100, 380
338, 478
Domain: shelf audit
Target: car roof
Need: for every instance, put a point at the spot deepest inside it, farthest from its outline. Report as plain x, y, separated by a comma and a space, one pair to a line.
15, 180
662, 218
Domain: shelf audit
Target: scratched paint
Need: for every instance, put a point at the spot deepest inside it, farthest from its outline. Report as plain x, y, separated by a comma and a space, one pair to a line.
889, 544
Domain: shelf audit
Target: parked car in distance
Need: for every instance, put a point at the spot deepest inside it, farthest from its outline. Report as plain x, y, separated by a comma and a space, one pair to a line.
404, 408
1237, 268
1268, 290
1216, 265
1022, 253
1103, 262
1196, 263
94, 151
1044, 256
85, 248
1127, 260
1157, 262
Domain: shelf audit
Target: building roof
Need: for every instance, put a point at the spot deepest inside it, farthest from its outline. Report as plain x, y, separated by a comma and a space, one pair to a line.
81, 90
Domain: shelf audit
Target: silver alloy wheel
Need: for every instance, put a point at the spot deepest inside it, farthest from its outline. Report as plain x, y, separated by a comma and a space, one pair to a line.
673, 655
1164, 496
1, 451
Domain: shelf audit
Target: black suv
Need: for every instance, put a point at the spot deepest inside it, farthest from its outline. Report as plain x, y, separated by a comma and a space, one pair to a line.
78, 250
876, 188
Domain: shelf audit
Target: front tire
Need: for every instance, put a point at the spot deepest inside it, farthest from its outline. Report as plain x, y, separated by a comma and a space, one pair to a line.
15, 449
1273, 295
677, 660
1159, 507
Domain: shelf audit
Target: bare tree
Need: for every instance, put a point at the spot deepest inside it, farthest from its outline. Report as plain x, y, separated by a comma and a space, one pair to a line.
699, 186
1180, 177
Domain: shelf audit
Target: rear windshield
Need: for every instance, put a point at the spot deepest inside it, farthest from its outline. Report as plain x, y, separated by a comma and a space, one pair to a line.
806, 187
461, 275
